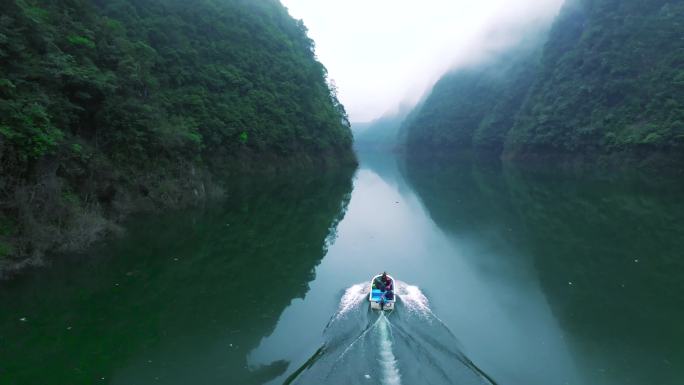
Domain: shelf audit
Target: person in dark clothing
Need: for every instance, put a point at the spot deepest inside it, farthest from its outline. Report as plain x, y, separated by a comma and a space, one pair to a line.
389, 289
379, 284
384, 283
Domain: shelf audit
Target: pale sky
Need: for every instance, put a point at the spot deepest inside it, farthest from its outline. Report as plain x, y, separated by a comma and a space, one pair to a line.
382, 53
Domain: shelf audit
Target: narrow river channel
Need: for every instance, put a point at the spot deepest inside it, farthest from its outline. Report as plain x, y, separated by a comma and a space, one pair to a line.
505, 276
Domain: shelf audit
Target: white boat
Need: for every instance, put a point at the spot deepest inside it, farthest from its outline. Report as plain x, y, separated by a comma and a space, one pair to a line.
380, 300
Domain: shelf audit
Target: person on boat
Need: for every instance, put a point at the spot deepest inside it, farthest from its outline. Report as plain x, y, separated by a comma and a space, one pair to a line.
389, 288
383, 282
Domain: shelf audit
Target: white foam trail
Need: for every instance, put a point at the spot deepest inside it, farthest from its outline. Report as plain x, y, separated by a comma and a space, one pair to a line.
351, 298
388, 362
348, 348
411, 296
413, 299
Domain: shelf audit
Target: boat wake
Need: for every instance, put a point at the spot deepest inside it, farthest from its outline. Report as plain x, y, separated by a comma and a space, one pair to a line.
409, 345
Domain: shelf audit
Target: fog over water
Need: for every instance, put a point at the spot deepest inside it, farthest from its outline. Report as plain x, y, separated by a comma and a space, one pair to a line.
384, 53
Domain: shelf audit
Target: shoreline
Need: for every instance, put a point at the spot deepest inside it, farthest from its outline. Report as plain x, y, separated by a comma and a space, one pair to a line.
148, 192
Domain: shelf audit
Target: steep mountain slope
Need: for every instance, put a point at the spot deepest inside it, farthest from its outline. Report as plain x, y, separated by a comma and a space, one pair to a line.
612, 78
109, 106
609, 80
474, 106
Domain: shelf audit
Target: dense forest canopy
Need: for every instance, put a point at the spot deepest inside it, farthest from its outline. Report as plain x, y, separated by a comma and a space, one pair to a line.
612, 78
101, 100
174, 75
609, 79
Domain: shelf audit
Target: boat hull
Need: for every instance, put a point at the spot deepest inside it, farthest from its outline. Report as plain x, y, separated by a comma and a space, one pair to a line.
377, 298
387, 306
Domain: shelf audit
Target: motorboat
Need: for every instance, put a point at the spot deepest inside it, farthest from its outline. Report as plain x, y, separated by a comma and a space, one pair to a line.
379, 299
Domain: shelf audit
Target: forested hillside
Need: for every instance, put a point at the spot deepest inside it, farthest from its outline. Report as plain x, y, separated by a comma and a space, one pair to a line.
110, 106
610, 79
475, 106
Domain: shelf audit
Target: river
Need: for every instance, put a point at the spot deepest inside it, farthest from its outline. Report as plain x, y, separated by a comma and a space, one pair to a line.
506, 276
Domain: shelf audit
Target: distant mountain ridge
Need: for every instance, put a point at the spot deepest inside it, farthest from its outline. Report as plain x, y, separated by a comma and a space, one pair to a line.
383, 132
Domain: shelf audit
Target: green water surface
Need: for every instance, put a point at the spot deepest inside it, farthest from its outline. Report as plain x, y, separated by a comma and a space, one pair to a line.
544, 277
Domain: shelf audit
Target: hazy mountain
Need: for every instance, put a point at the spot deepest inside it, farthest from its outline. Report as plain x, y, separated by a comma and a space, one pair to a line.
609, 79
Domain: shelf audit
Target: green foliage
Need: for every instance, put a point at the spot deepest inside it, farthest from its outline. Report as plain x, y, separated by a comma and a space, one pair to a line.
243, 137
70, 198
6, 132
77, 149
7, 226
178, 135
101, 101
81, 41
144, 79
474, 107
5, 249
610, 79
34, 13
28, 127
